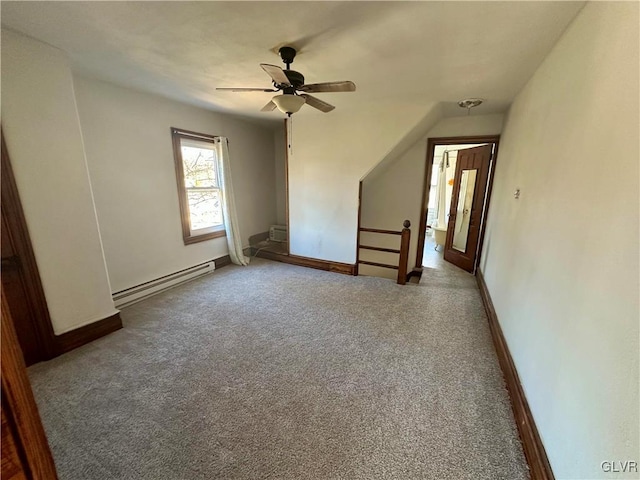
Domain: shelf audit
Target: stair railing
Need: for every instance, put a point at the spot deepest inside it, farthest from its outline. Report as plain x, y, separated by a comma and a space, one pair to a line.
405, 239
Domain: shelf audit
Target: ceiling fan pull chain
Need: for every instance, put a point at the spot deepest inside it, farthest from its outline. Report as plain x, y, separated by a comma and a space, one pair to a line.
290, 135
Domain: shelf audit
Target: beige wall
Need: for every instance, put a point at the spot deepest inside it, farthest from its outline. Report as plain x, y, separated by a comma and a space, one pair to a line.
330, 156
130, 157
394, 193
44, 139
468, 126
561, 263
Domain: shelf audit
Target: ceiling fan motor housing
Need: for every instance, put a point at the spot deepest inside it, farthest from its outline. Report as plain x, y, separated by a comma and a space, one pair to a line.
287, 54
296, 78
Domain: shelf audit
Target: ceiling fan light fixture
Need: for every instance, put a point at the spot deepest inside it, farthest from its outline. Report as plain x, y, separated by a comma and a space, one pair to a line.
288, 103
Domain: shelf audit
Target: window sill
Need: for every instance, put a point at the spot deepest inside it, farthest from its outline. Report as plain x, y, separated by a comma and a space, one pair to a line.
204, 237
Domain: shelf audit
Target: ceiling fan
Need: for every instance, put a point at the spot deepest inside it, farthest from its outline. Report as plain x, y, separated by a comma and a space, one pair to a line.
290, 83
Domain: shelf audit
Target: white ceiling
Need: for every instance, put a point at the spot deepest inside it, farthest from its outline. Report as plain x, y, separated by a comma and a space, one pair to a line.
395, 52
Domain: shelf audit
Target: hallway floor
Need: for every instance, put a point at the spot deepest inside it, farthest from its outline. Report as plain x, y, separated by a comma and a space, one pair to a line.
430, 257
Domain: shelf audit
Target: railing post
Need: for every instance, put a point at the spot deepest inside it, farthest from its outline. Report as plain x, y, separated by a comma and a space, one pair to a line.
405, 239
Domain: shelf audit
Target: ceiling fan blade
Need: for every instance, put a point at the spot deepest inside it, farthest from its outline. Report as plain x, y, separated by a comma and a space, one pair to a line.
268, 107
233, 89
317, 103
346, 86
276, 73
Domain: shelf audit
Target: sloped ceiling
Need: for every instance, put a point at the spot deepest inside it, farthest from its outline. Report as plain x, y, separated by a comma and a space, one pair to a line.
394, 51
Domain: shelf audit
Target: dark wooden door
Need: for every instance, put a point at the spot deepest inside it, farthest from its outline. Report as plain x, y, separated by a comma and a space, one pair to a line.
20, 277
25, 450
13, 283
467, 206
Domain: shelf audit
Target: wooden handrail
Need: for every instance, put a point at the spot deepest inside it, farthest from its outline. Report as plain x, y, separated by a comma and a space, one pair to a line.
405, 240
380, 249
376, 264
378, 230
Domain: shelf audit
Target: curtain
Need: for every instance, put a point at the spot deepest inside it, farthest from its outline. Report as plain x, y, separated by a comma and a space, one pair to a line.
234, 240
441, 191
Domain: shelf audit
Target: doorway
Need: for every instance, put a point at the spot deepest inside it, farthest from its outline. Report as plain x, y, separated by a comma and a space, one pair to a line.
274, 244
456, 194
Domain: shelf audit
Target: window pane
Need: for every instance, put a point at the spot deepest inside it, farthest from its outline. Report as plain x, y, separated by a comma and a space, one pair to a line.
205, 210
198, 163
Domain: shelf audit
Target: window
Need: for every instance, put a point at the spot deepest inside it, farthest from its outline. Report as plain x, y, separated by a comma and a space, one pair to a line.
199, 190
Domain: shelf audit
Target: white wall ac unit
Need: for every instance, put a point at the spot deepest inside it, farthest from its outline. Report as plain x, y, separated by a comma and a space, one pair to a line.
278, 233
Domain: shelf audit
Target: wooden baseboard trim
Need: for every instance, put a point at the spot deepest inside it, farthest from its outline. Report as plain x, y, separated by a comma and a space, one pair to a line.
258, 237
416, 272
539, 467
83, 335
222, 261
344, 268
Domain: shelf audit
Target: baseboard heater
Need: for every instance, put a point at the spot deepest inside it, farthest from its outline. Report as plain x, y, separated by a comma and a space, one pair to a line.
134, 294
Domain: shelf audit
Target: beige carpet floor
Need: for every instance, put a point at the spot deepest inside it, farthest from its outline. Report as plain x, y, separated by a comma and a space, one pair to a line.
274, 371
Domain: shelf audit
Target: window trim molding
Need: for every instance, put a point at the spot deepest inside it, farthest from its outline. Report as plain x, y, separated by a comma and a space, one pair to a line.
187, 235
